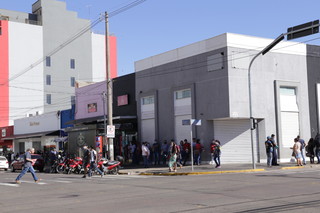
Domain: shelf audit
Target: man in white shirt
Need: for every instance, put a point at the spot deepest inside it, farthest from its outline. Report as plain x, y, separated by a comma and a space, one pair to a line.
93, 162
145, 154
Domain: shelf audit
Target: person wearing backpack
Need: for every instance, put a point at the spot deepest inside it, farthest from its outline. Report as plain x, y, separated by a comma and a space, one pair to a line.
310, 150
93, 162
317, 147
269, 150
217, 153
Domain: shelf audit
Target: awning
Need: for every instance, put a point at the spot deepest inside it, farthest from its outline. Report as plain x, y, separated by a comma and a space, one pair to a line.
60, 139
99, 119
37, 135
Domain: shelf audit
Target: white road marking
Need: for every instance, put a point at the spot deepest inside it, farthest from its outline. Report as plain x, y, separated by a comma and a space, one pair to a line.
40, 183
9, 184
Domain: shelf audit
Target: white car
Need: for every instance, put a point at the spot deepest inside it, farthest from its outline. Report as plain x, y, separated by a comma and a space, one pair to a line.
4, 163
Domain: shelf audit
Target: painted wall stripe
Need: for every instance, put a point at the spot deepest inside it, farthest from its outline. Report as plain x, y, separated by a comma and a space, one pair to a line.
4, 74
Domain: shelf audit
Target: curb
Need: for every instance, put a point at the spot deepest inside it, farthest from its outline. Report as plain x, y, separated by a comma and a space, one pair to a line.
199, 173
293, 167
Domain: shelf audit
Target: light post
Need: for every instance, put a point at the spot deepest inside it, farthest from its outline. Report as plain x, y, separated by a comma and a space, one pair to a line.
109, 87
292, 33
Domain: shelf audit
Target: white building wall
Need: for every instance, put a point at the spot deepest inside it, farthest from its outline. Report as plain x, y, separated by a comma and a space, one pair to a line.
42, 123
25, 70
98, 57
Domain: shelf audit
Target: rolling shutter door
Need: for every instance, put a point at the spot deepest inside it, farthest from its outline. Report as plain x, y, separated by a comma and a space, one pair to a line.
148, 130
235, 139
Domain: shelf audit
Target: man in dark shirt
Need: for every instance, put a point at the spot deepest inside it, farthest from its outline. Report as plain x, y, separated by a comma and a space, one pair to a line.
27, 166
85, 160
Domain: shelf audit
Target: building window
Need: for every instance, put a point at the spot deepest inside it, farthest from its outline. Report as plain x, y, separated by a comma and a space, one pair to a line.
73, 81
48, 61
72, 63
73, 100
92, 107
183, 94
48, 79
48, 99
215, 62
148, 100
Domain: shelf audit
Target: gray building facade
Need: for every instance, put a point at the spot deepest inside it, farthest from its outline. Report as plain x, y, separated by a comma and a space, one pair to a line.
208, 80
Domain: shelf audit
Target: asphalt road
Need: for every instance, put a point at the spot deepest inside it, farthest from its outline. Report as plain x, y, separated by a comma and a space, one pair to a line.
269, 191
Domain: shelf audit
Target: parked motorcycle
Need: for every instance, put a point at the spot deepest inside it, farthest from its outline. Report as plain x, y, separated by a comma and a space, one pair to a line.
75, 166
64, 166
109, 167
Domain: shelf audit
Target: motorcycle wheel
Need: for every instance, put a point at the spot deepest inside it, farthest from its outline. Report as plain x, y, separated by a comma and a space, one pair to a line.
114, 171
69, 171
60, 169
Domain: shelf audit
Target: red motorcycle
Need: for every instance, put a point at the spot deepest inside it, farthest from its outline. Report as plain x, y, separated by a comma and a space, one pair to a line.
109, 167
63, 167
75, 165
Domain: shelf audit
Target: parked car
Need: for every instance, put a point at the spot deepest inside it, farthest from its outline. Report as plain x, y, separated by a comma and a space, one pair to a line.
37, 163
4, 163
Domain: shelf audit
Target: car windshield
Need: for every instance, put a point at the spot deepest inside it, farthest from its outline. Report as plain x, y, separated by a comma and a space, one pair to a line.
2, 158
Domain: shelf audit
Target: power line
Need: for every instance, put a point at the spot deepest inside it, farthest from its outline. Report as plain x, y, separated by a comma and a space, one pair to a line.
202, 64
74, 37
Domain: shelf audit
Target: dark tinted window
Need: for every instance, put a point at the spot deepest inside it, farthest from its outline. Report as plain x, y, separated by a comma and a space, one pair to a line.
36, 157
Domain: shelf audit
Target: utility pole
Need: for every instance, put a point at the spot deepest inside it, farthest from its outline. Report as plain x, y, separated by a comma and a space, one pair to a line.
109, 87
104, 95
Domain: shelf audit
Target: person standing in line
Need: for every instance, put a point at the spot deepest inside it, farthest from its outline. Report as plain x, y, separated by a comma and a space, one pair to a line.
164, 152
275, 151
310, 150
317, 147
93, 162
303, 150
85, 160
212, 148
197, 152
145, 154
156, 152
187, 150
269, 150
173, 157
28, 167
297, 151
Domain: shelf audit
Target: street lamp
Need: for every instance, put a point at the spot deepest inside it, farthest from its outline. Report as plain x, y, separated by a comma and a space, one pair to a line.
292, 33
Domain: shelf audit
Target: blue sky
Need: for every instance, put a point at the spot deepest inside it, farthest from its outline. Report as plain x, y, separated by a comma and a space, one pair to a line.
156, 26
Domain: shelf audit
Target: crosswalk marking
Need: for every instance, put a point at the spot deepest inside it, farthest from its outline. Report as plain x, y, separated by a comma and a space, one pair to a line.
9, 184
74, 179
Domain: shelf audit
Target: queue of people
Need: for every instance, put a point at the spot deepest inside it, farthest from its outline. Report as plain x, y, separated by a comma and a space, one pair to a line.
300, 150
172, 154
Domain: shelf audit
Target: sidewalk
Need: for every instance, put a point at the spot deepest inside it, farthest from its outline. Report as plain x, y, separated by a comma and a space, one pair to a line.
209, 169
